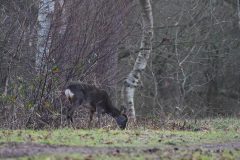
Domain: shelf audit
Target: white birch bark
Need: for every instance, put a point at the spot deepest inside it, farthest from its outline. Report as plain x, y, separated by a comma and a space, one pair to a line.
46, 8
63, 17
6, 86
133, 78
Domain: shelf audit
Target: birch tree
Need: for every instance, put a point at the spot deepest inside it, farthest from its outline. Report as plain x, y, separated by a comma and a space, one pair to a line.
46, 8
133, 79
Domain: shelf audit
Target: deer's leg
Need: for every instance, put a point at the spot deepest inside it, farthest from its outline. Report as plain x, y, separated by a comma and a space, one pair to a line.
71, 110
91, 117
70, 116
99, 110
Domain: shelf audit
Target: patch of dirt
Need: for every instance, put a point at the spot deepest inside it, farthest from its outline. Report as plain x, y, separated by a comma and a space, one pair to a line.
11, 150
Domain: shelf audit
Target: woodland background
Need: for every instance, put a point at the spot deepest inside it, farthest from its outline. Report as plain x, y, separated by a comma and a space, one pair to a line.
193, 71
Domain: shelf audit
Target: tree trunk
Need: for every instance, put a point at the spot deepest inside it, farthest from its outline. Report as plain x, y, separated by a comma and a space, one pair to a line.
46, 8
6, 85
133, 78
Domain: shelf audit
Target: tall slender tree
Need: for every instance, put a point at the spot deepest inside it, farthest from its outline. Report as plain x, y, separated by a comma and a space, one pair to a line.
132, 80
46, 8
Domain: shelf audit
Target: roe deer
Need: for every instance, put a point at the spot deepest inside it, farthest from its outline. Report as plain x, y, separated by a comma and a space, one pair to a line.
96, 100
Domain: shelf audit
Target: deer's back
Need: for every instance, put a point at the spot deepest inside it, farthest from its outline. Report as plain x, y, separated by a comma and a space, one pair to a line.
89, 94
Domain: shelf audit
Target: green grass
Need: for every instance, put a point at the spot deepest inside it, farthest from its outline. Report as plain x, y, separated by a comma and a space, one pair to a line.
208, 131
119, 138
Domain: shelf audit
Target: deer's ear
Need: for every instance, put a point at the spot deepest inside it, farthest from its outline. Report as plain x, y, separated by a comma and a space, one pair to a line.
123, 109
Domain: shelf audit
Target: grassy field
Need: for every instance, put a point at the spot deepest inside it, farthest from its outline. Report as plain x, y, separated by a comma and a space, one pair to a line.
205, 139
